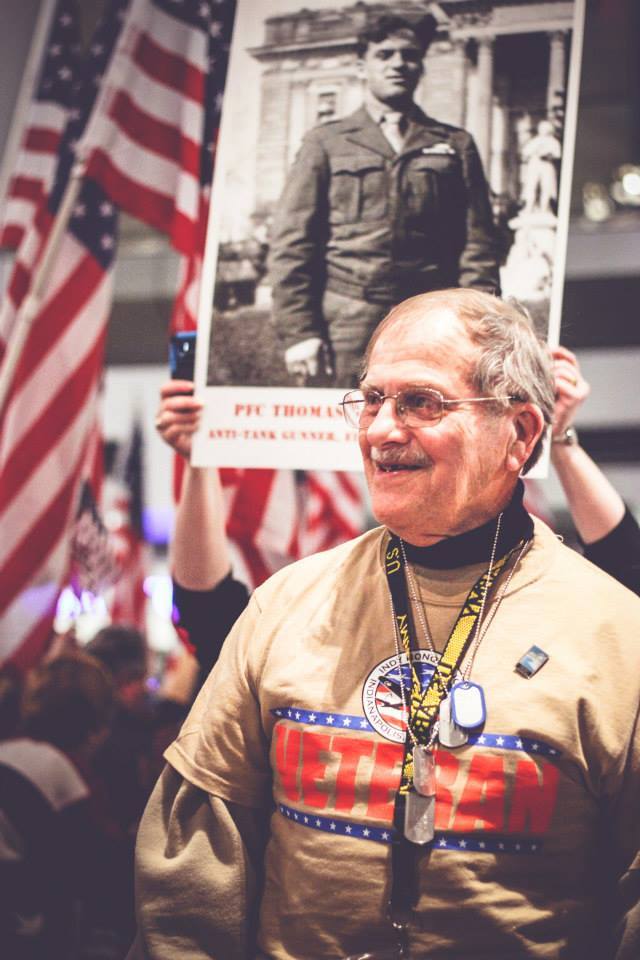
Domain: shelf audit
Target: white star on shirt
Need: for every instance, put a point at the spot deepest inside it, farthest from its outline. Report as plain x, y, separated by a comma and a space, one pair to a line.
519, 744
346, 722
347, 829
462, 844
365, 832
330, 720
500, 741
306, 819
442, 843
332, 825
318, 823
385, 835
482, 844
482, 739
297, 714
363, 724
535, 746
312, 718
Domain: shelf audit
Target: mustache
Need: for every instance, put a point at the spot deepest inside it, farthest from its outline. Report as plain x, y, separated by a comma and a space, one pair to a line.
401, 456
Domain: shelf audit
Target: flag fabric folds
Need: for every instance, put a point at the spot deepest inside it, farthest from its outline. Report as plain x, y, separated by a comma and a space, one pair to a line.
49, 415
43, 126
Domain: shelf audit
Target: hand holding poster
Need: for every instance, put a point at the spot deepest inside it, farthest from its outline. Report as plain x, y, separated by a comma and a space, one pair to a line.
368, 153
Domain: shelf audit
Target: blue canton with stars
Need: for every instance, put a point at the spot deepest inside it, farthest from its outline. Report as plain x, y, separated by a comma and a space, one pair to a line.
94, 218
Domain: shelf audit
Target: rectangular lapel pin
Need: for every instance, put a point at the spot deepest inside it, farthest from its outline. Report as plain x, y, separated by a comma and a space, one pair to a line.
530, 662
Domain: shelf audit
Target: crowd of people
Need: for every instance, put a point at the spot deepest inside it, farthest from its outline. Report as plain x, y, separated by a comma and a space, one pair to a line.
83, 738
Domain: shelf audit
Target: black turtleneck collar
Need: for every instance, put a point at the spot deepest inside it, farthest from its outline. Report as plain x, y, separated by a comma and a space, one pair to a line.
474, 546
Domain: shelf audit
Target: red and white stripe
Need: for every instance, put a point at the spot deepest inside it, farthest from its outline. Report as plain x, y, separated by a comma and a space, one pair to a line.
334, 511
144, 147
35, 170
44, 435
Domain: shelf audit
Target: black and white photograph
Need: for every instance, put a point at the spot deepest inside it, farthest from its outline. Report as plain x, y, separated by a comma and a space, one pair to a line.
378, 151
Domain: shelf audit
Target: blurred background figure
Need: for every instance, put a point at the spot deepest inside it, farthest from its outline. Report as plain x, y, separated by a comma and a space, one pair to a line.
56, 859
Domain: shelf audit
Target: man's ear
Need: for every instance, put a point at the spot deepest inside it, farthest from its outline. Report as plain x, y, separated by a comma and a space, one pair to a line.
528, 427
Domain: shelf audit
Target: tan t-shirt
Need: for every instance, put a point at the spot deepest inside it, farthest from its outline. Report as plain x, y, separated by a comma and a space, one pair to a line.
303, 710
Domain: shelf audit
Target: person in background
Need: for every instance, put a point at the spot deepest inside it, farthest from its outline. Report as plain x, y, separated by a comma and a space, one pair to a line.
55, 858
608, 531
207, 597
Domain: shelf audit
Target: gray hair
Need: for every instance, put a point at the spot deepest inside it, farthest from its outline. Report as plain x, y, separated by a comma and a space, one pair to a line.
514, 360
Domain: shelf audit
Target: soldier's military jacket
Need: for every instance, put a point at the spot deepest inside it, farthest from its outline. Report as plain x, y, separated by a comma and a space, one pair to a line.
357, 218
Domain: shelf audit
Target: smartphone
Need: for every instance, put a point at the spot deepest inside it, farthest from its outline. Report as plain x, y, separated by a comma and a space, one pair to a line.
182, 355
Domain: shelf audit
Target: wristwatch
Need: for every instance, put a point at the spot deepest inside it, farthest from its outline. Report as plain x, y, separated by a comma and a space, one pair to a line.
568, 438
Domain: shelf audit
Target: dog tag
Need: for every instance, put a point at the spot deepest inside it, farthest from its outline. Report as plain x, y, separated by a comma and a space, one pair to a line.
449, 733
419, 818
467, 705
424, 771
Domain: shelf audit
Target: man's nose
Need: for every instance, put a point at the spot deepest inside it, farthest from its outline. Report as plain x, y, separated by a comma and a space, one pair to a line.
396, 59
386, 425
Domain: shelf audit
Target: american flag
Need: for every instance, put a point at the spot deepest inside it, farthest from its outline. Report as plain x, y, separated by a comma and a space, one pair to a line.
49, 415
43, 125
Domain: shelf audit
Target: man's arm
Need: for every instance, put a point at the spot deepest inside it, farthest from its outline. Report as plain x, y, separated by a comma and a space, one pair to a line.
608, 531
198, 875
478, 264
297, 257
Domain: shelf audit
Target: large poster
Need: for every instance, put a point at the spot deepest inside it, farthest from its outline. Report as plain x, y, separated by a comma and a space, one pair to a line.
361, 160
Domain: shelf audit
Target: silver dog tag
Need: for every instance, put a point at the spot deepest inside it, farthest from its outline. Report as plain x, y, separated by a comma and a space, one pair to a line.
419, 818
424, 771
449, 733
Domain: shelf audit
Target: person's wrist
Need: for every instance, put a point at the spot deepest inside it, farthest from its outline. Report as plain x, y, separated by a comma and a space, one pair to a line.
566, 438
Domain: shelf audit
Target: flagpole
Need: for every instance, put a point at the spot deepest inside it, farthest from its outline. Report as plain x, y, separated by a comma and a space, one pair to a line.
32, 302
25, 95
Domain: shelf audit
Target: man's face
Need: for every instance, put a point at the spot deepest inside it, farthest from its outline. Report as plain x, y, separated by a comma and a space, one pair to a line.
392, 68
443, 478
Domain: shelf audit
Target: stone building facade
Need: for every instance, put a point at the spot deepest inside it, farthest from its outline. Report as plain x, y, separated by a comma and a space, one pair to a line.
496, 67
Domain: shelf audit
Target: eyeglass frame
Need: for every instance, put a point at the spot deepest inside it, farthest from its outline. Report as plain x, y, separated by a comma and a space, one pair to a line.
402, 414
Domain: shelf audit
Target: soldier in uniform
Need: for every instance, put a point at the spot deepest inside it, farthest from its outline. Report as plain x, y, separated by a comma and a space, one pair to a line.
381, 205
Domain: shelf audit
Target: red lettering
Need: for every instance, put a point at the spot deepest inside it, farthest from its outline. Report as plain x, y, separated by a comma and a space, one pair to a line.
447, 767
351, 750
481, 805
385, 780
314, 767
534, 797
287, 759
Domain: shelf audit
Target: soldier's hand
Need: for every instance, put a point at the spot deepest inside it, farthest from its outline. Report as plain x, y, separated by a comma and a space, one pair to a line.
305, 360
178, 415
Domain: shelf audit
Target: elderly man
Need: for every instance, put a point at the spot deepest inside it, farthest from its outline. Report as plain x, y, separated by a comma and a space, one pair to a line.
422, 743
384, 203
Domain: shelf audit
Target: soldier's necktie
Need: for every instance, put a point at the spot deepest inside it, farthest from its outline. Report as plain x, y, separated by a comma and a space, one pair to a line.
393, 126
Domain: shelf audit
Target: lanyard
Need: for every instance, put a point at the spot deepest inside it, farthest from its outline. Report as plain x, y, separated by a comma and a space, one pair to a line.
423, 711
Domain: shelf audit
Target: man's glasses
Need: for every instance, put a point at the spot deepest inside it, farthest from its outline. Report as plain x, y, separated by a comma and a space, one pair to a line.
415, 407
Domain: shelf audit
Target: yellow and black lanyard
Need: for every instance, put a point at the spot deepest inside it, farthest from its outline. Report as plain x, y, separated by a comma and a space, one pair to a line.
423, 708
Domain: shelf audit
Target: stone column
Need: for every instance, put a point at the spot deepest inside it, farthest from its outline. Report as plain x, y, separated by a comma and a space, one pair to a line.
557, 68
484, 99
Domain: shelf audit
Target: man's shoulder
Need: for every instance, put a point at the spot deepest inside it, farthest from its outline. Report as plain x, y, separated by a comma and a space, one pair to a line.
321, 569
332, 130
582, 578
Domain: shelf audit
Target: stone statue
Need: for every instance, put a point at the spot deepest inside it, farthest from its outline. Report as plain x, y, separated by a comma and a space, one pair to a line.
541, 155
